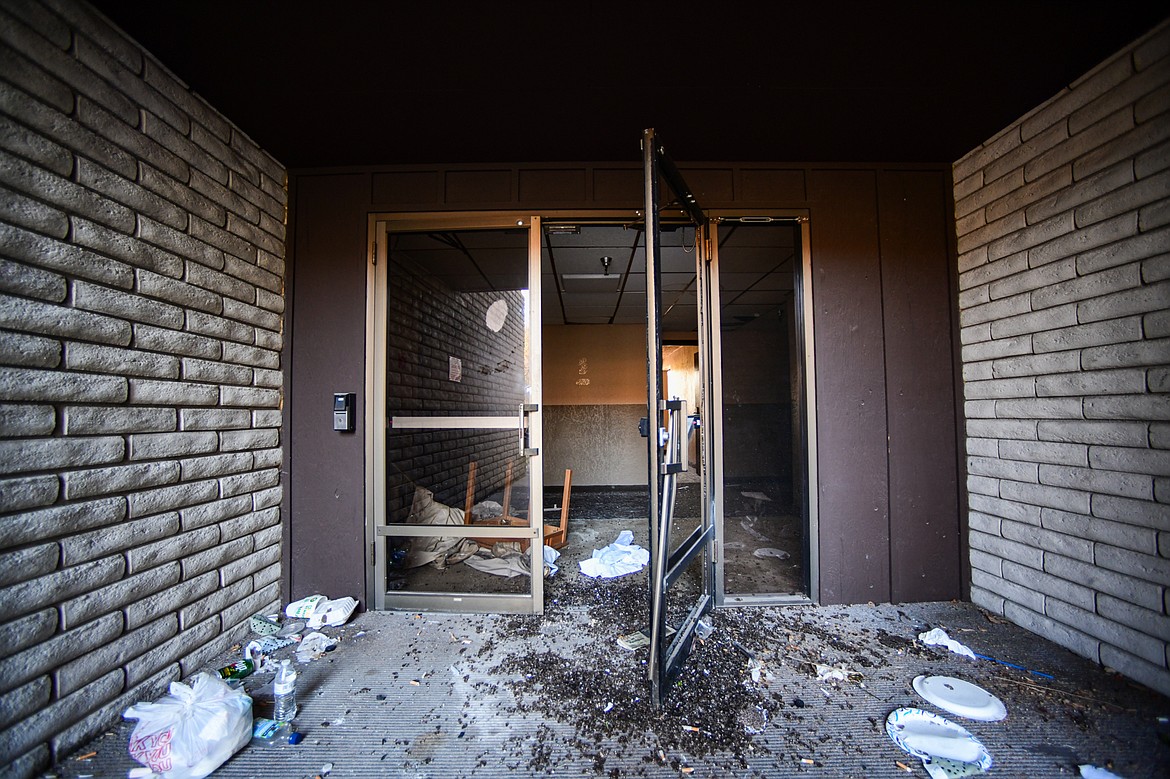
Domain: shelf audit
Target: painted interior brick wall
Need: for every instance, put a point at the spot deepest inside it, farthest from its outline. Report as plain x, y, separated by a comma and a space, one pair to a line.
141, 300
1063, 224
429, 325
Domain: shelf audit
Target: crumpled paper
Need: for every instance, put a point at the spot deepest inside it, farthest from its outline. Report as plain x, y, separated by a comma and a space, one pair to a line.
618, 559
939, 637
313, 646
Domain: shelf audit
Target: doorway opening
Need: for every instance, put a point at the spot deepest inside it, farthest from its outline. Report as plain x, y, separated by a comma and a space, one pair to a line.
480, 416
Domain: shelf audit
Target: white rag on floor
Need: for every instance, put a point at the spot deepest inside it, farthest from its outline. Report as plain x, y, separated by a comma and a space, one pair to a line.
939, 637
500, 560
618, 559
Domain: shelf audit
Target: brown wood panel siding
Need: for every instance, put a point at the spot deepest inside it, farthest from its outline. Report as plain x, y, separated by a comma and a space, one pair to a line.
851, 402
618, 186
552, 186
925, 541
326, 469
711, 185
885, 342
408, 187
768, 187
477, 187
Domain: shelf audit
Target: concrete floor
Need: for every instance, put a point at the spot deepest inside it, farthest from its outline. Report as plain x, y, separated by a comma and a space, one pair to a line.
434, 695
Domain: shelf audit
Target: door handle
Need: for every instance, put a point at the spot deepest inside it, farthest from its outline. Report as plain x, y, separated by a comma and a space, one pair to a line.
675, 435
522, 426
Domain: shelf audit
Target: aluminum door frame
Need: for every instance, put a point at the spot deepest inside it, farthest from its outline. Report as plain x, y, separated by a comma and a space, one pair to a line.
666, 566
804, 323
377, 274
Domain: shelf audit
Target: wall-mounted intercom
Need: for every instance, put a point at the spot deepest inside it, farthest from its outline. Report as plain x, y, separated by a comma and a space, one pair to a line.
343, 411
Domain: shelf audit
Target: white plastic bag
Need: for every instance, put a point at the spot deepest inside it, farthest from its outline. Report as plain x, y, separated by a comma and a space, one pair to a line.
193, 730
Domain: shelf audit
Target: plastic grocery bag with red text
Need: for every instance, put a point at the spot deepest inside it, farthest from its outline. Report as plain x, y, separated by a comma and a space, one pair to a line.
193, 730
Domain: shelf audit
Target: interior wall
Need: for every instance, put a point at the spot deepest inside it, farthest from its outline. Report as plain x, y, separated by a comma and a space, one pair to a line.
142, 269
887, 451
594, 395
431, 323
1063, 227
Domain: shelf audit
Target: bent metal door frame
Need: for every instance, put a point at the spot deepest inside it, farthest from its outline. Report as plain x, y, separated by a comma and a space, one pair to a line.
528, 420
667, 445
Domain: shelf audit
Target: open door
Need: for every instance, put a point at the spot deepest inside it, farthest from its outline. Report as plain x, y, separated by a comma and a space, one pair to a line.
675, 552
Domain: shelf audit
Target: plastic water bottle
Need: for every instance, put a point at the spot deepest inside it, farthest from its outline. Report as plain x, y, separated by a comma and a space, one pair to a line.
284, 692
270, 733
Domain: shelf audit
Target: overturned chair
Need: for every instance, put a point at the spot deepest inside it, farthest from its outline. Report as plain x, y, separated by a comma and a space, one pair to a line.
554, 535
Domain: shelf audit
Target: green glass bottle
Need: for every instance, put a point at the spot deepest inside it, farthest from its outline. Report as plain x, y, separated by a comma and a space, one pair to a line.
237, 670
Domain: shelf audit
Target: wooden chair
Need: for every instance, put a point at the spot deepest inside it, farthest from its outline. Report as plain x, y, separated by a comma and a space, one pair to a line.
554, 535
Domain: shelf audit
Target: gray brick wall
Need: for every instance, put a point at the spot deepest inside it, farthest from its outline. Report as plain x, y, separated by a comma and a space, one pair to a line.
1063, 223
141, 300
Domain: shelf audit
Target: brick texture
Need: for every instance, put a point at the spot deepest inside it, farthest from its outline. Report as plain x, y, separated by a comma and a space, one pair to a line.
141, 300
1061, 226
435, 323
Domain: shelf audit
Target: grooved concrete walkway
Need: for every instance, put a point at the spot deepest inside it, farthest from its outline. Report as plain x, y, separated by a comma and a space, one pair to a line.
428, 695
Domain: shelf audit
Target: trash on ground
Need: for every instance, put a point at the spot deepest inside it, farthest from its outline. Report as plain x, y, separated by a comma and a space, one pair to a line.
258, 649
291, 628
265, 624
237, 670
828, 673
550, 561
748, 524
618, 559
190, 732
939, 637
318, 610
332, 612
703, 629
304, 608
1093, 772
768, 551
313, 646
1013, 665
507, 559
945, 748
272, 733
758, 670
960, 697
437, 551
487, 509
640, 638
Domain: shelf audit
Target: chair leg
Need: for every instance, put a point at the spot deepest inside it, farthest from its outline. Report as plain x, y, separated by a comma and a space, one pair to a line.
470, 493
557, 537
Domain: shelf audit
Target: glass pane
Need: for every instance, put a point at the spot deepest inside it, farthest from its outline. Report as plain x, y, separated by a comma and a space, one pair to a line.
763, 450
456, 378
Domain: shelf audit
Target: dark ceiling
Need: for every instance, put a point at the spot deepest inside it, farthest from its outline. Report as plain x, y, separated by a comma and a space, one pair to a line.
355, 83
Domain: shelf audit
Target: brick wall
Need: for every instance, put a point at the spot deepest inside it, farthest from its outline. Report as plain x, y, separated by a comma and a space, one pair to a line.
141, 299
1063, 224
429, 323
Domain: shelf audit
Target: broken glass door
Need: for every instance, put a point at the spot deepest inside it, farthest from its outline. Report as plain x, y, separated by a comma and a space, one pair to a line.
456, 501
681, 560
764, 532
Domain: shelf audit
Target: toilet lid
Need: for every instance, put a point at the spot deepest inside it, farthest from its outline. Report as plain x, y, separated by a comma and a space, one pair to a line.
960, 697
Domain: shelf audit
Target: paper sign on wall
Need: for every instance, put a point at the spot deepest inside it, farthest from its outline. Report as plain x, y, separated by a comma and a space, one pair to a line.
455, 369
